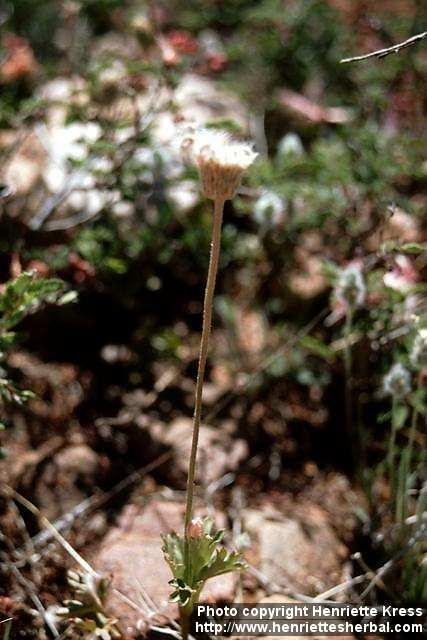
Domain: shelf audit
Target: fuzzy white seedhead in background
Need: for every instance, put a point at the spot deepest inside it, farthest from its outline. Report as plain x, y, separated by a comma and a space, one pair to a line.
268, 209
290, 145
397, 382
351, 286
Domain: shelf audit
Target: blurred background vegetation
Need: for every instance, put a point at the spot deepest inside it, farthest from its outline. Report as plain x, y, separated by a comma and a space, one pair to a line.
93, 97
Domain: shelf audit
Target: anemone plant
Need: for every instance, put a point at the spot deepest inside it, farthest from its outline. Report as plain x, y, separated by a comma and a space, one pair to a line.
196, 556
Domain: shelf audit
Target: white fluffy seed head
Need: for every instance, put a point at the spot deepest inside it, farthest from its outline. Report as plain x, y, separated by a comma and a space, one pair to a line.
351, 286
397, 382
221, 161
268, 208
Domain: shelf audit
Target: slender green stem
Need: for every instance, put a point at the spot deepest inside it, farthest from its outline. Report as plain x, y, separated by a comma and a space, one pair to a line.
405, 482
392, 444
348, 366
204, 343
413, 428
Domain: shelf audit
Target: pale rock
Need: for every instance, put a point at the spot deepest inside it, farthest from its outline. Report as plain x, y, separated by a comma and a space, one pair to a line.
218, 453
300, 552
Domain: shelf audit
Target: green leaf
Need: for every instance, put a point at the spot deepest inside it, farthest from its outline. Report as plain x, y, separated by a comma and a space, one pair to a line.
400, 415
25, 295
223, 562
384, 417
174, 552
116, 264
68, 297
7, 338
418, 401
413, 247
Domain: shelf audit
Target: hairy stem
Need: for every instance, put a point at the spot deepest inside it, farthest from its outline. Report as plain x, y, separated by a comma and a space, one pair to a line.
184, 619
204, 343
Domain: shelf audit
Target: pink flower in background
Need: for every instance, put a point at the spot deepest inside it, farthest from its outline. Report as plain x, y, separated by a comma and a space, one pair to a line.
182, 42
217, 61
402, 276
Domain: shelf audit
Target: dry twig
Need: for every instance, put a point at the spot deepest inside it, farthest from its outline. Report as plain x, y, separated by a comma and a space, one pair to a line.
382, 53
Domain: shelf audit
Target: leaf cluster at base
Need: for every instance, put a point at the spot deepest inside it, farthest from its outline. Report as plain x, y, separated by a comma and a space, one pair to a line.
194, 560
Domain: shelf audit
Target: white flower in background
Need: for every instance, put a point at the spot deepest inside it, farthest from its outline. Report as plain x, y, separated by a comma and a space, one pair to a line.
123, 209
140, 22
419, 350
247, 245
100, 164
64, 90
171, 165
351, 287
290, 144
123, 134
92, 200
221, 161
397, 382
113, 74
210, 43
184, 195
145, 156
268, 209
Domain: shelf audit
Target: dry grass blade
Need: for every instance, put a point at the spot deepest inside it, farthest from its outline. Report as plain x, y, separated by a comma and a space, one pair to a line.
45, 522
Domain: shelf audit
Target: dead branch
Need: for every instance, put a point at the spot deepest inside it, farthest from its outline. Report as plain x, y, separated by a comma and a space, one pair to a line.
382, 53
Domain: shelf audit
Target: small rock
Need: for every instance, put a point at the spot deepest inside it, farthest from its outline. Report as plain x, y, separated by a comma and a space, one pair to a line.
218, 452
301, 553
77, 460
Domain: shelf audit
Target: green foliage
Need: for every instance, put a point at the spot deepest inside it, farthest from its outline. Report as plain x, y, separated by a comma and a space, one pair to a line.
7, 629
25, 295
22, 296
194, 560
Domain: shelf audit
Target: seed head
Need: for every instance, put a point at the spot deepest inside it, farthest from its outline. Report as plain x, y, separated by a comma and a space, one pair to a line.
419, 350
220, 159
268, 208
196, 528
351, 286
397, 382
290, 145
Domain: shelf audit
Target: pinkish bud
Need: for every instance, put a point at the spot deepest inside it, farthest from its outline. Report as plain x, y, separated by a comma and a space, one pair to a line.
195, 529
